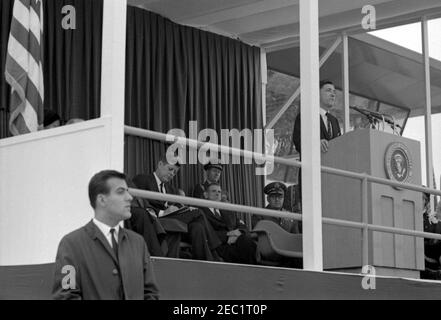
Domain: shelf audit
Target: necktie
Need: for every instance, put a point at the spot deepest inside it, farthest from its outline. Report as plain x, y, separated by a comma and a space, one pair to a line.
114, 243
329, 126
162, 190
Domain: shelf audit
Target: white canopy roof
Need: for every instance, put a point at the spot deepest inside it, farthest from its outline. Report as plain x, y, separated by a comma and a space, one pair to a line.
379, 70
275, 23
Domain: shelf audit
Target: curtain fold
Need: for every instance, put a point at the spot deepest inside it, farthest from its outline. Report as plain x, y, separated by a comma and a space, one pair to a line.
176, 74
72, 60
6, 7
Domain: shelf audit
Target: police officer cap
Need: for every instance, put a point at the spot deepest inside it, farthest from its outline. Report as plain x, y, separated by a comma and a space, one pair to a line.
275, 187
213, 165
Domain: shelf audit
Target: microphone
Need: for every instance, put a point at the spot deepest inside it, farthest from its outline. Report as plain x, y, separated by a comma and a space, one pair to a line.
378, 116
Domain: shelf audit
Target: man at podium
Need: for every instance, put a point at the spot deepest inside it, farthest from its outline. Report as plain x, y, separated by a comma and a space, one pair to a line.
329, 126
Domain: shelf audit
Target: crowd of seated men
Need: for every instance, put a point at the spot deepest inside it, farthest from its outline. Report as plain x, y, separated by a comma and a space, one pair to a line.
211, 234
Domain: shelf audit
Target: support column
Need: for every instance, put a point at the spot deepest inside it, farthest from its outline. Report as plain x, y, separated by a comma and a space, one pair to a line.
345, 74
310, 132
113, 75
428, 113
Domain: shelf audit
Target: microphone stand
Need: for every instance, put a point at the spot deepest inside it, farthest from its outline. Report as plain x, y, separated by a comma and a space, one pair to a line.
374, 118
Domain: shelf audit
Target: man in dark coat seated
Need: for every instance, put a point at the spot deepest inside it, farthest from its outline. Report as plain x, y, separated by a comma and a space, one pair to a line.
202, 244
275, 192
236, 242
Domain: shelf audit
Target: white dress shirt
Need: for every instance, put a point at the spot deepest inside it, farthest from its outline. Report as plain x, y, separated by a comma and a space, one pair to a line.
105, 229
216, 212
158, 183
324, 117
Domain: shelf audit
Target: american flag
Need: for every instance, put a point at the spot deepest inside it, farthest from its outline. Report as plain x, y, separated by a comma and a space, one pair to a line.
24, 71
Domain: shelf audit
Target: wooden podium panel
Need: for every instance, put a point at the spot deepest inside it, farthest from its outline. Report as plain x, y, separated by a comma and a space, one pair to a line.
365, 151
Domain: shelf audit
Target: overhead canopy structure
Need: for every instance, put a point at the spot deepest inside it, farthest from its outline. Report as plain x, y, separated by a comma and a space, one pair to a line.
378, 70
273, 24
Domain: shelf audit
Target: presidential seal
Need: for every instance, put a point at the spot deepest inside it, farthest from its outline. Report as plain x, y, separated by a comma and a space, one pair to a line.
398, 162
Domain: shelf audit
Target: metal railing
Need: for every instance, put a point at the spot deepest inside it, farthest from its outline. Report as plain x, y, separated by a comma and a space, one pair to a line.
363, 177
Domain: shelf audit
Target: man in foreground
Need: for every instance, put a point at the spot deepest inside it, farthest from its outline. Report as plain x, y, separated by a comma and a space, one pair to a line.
102, 260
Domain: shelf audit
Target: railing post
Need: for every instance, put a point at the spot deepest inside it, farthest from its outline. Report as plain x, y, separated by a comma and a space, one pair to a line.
365, 220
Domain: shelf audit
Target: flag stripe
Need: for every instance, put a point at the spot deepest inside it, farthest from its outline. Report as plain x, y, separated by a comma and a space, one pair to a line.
31, 91
25, 3
24, 67
26, 39
26, 63
34, 24
35, 5
29, 19
26, 111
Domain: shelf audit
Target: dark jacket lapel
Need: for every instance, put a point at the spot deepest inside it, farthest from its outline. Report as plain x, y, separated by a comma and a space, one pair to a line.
323, 130
97, 235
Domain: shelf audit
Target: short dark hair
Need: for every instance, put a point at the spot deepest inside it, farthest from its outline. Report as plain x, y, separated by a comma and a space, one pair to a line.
50, 117
325, 82
98, 184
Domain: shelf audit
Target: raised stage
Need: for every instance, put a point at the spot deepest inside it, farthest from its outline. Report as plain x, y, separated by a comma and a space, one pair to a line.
195, 280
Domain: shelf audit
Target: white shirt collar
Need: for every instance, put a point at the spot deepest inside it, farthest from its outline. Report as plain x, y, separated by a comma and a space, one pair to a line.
323, 113
158, 181
105, 229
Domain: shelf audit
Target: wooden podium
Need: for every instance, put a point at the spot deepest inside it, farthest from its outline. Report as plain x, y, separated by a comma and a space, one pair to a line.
369, 151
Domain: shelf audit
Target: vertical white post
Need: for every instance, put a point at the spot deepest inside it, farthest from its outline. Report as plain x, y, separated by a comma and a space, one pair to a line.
264, 76
310, 133
428, 114
345, 74
264, 82
113, 75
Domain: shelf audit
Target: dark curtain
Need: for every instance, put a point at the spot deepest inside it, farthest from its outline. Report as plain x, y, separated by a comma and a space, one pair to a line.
72, 69
5, 26
72, 60
175, 74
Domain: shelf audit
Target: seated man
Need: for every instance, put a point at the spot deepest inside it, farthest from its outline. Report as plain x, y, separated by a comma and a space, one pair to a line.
236, 242
213, 172
275, 192
198, 234
145, 222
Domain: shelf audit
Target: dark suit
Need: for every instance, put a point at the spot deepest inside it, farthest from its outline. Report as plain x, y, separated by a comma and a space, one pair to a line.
199, 189
324, 134
150, 228
99, 274
244, 249
198, 233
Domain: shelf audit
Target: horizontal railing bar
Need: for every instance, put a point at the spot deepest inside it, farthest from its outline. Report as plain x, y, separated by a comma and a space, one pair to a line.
196, 202
262, 157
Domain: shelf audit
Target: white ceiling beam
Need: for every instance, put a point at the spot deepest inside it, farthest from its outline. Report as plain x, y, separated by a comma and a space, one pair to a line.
236, 12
